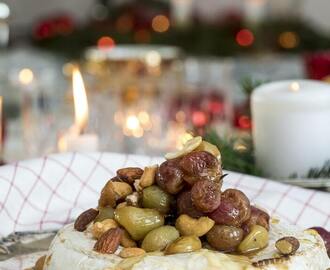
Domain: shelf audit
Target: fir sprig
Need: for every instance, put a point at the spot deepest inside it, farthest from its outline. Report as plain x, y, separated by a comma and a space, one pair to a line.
233, 157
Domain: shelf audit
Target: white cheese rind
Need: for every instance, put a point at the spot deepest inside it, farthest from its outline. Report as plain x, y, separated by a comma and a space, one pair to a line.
74, 250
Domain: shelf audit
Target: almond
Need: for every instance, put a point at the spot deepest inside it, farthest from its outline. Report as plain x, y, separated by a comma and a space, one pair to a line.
109, 241
40, 263
85, 218
131, 252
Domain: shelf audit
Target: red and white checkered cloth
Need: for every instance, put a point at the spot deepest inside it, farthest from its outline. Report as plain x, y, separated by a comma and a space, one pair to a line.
49, 192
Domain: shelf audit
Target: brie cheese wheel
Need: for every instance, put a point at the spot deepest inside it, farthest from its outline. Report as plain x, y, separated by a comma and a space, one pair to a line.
74, 250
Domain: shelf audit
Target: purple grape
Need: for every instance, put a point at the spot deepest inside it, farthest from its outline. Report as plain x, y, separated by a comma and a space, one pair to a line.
325, 236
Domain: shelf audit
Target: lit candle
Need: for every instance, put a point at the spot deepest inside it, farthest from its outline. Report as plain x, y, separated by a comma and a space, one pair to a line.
75, 139
181, 12
255, 10
291, 127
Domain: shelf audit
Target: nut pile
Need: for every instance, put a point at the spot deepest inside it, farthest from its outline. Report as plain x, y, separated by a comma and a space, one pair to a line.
177, 207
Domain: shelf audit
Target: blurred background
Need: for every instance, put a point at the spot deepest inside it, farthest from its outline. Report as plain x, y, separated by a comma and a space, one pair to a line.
155, 71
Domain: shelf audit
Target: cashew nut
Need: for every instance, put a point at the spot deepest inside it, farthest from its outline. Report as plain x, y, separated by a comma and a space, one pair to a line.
132, 199
148, 176
211, 148
131, 252
114, 191
187, 225
99, 228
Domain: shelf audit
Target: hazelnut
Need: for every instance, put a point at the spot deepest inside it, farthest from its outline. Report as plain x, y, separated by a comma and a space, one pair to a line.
287, 245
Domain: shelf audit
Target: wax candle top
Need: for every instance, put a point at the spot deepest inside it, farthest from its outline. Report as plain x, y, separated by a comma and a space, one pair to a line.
295, 93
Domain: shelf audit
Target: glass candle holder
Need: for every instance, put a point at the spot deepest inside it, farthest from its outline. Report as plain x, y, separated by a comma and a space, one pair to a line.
129, 87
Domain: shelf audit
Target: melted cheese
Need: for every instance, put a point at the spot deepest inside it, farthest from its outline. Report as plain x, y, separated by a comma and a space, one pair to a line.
74, 250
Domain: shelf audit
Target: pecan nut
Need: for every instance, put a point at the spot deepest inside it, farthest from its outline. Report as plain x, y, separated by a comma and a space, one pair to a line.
85, 218
109, 241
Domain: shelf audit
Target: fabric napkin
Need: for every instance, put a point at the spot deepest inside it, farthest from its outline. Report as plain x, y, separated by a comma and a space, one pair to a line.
46, 193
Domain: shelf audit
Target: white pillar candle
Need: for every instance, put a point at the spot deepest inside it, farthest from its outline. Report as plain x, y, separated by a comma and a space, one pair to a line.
70, 142
291, 127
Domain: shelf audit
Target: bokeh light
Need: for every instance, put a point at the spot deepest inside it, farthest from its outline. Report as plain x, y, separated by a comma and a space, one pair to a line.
160, 23
244, 122
124, 23
142, 36
4, 11
199, 118
288, 40
132, 122
245, 38
25, 76
105, 43
153, 59
295, 87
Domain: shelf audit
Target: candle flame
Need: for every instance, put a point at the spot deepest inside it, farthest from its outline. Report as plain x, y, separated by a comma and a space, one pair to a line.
295, 86
80, 100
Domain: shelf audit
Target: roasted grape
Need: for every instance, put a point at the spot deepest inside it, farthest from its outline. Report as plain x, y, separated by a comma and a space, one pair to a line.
184, 244
206, 195
185, 205
156, 198
104, 213
224, 238
138, 221
160, 238
200, 166
325, 236
170, 177
258, 217
234, 209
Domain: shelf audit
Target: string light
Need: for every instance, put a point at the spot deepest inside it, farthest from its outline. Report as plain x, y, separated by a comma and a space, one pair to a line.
124, 24
244, 122
245, 38
288, 40
199, 118
295, 87
153, 58
26, 76
142, 36
160, 23
105, 43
